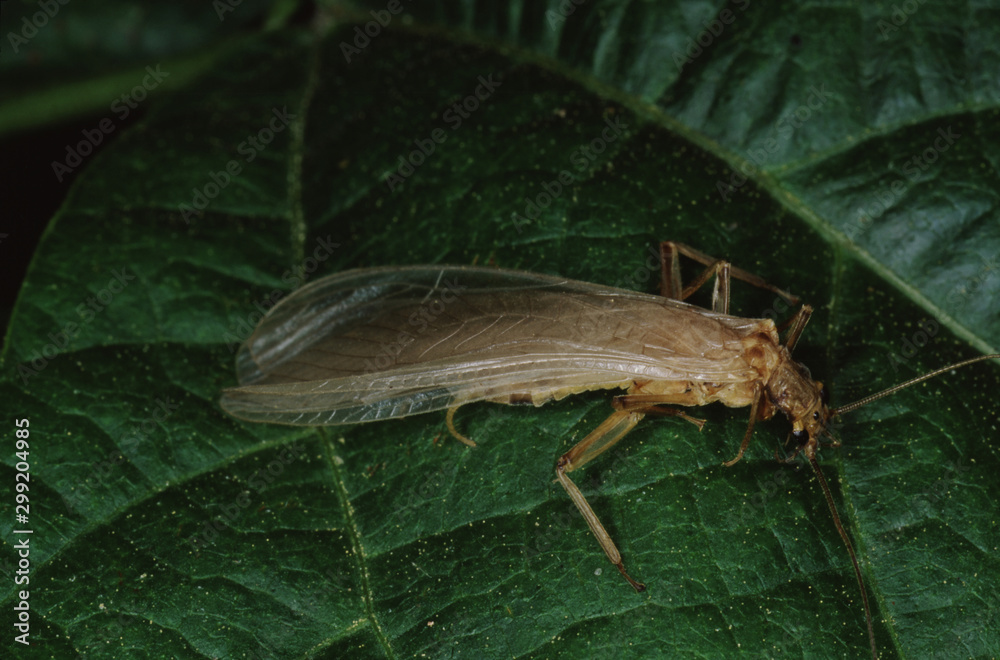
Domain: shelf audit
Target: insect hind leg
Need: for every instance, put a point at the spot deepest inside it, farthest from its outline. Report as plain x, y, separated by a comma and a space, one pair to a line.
613, 429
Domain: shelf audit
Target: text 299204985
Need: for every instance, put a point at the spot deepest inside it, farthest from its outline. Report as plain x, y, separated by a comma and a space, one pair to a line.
22, 510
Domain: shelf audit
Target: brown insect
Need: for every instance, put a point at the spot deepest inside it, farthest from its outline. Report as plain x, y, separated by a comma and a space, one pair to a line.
383, 343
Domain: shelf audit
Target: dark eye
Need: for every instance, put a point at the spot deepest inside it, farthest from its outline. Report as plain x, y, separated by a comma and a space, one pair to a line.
816, 415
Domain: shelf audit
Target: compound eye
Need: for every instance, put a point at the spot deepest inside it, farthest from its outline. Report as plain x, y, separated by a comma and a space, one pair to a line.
801, 437
816, 415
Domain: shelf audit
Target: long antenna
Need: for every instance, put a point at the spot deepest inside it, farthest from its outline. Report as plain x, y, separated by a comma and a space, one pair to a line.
811, 455
919, 379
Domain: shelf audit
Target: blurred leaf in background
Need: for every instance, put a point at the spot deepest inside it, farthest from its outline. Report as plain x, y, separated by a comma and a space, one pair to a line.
844, 153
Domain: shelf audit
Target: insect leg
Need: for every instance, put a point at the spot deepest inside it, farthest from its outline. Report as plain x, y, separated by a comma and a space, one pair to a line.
670, 282
754, 407
450, 421
798, 323
646, 403
598, 441
643, 403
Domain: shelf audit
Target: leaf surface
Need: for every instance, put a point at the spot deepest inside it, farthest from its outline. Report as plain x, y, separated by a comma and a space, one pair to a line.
165, 528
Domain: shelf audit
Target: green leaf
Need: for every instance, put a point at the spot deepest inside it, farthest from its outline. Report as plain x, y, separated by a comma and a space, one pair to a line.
162, 527
61, 64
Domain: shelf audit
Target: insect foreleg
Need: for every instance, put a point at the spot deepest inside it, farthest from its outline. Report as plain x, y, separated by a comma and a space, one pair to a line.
645, 403
758, 394
598, 441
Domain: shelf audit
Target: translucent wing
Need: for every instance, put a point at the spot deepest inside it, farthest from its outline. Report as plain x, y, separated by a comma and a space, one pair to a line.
382, 343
